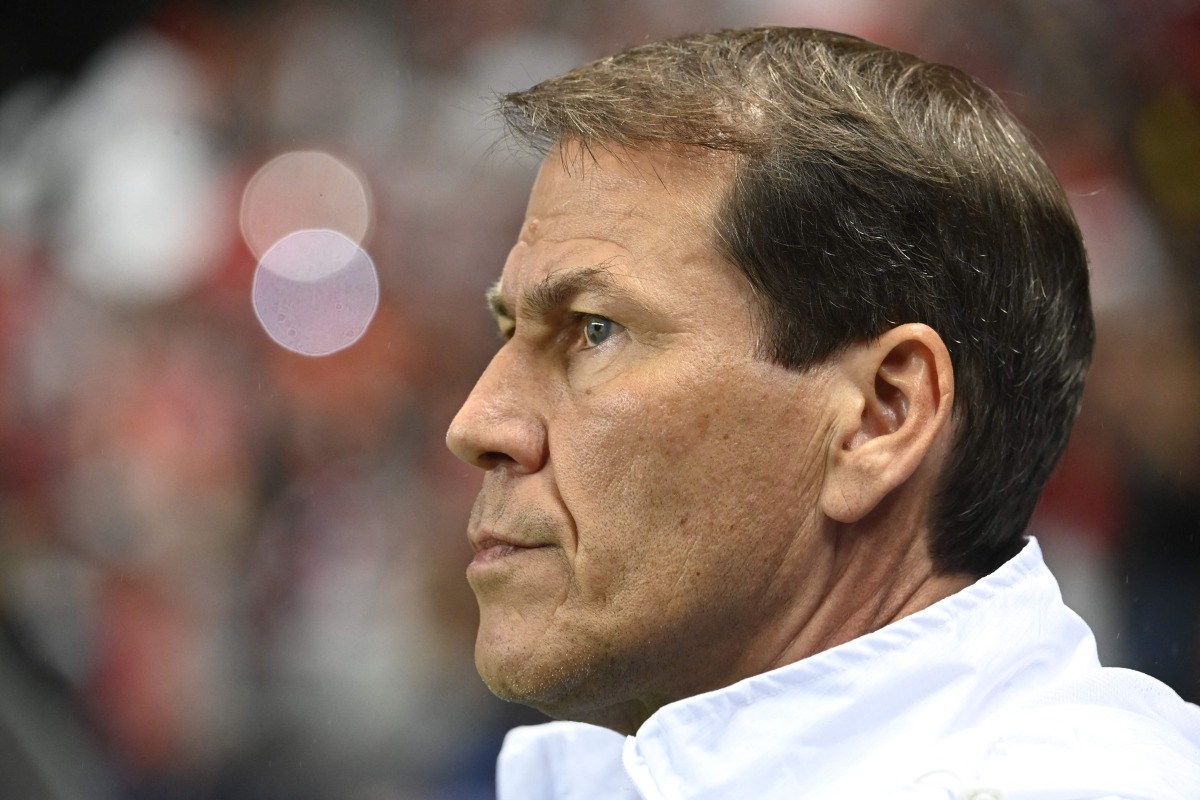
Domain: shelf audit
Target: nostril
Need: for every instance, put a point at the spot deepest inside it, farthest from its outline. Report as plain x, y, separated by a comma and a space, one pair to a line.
494, 459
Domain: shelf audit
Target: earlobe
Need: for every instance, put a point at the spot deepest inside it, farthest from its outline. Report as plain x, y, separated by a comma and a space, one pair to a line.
900, 391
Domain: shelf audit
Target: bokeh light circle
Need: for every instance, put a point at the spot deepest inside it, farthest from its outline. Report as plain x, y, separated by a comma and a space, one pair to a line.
304, 190
315, 291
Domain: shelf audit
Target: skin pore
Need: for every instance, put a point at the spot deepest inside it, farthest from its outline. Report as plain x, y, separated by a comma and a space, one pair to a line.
663, 512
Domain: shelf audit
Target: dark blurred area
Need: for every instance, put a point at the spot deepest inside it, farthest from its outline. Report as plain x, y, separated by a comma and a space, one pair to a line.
228, 570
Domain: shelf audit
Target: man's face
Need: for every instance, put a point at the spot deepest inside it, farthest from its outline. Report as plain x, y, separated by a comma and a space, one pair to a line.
650, 482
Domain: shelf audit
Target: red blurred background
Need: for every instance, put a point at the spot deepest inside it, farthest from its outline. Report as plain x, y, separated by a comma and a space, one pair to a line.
231, 571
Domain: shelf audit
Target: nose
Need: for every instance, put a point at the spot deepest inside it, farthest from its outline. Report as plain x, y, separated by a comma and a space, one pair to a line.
498, 425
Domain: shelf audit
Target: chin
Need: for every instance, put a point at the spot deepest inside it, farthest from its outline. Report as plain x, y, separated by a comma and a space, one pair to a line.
574, 688
555, 687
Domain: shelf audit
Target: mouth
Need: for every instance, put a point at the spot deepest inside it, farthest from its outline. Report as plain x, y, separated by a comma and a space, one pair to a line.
497, 552
491, 549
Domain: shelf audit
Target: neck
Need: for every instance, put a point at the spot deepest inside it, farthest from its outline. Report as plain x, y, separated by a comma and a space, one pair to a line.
872, 573
863, 580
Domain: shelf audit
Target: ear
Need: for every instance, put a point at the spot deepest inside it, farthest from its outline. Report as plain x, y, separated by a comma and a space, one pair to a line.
899, 390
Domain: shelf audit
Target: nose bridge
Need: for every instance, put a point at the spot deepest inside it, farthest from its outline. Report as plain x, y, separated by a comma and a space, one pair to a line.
500, 421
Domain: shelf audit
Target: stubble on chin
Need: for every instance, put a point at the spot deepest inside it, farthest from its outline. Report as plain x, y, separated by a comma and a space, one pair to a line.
555, 686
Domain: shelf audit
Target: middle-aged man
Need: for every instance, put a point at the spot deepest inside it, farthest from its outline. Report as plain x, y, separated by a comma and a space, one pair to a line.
796, 328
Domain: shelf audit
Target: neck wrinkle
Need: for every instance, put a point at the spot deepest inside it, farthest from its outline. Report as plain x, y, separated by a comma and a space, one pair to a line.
868, 587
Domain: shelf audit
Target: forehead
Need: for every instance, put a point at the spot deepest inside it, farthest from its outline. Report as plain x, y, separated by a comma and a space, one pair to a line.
618, 209
656, 183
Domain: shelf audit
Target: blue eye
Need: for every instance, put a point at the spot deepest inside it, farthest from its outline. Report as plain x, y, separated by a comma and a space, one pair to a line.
597, 329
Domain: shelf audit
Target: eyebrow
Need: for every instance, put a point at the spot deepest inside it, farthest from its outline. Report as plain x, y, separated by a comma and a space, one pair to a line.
556, 291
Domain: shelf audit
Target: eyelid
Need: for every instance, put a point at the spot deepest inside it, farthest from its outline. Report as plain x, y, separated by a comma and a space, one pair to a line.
578, 317
570, 327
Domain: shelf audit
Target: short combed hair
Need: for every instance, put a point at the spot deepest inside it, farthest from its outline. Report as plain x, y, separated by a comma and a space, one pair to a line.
872, 189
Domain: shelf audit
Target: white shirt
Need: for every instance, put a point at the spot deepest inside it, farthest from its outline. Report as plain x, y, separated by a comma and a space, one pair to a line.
994, 693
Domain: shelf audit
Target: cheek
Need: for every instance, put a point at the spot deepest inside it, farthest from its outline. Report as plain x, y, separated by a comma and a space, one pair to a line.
617, 452
666, 478
613, 453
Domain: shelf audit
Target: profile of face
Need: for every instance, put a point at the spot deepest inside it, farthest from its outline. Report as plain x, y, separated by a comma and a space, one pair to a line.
650, 482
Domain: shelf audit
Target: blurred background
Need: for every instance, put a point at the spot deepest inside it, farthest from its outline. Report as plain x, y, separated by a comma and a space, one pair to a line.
232, 570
